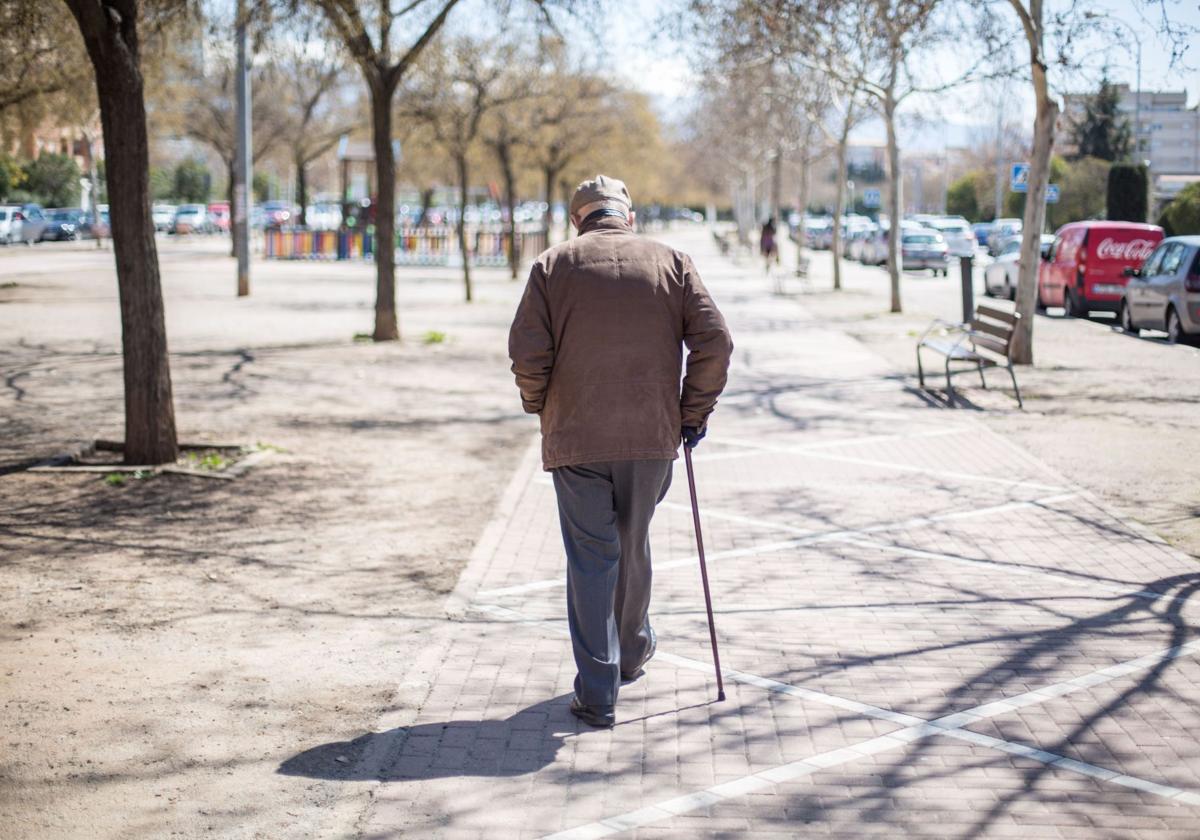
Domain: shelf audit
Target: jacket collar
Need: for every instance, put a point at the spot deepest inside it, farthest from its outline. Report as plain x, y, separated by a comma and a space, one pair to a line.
605, 223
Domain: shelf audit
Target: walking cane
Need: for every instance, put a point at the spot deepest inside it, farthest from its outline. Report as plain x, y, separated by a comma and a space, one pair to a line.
712, 630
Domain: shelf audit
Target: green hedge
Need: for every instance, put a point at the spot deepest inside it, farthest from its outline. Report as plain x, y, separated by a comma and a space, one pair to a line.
1128, 192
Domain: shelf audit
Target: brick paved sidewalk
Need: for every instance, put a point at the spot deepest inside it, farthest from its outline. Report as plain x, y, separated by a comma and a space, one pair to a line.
926, 631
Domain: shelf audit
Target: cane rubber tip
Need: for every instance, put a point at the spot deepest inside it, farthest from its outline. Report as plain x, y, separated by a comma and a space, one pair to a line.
720, 696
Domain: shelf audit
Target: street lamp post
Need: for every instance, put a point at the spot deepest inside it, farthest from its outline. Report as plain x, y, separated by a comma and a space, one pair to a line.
242, 178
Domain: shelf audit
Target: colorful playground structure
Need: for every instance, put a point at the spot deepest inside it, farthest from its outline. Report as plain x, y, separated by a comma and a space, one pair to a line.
436, 245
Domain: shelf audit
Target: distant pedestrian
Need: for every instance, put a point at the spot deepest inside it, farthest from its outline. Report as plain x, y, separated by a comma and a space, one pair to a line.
597, 349
767, 246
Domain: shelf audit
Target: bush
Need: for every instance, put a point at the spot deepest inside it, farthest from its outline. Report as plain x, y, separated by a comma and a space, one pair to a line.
1183, 213
11, 176
1128, 192
53, 180
192, 182
961, 200
162, 183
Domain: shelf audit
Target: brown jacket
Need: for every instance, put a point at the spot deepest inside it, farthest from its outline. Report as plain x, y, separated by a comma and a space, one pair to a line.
597, 346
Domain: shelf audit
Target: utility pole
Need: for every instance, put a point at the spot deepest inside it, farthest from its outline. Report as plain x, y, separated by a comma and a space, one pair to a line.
242, 177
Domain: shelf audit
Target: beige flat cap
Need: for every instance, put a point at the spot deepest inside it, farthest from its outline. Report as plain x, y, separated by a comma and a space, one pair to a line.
600, 188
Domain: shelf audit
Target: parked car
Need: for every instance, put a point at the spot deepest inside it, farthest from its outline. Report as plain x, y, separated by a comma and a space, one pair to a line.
873, 250
960, 239
26, 223
982, 230
189, 218
1164, 292
1085, 269
163, 215
278, 213
218, 217
10, 225
1003, 230
920, 249
63, 223
1000, 278
326, 215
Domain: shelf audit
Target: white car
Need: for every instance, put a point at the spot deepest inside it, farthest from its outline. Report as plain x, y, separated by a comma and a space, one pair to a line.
190, 218
163, 215
10, 225
323, 215
960, 239
1002, 231
1000, 278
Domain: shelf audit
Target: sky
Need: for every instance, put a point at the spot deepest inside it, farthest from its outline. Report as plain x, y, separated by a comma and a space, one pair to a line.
661, 67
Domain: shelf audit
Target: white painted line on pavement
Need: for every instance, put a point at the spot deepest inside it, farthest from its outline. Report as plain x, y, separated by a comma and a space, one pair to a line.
890, 465
843, 536
1011, 568
949, 725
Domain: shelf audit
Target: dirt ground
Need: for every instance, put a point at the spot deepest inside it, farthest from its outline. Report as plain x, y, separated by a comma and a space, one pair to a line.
167, 643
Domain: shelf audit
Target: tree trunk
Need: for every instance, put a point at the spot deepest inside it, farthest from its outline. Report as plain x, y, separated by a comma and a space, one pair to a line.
426, 203
1035, 214
233, 240
895, 205
112, 44
777, 188
504, 155
386, 326
839, 206
551, 175
566, 199
463, 184
802, 202
302, 190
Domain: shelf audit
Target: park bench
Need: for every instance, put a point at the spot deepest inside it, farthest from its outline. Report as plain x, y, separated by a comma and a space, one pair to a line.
985, 342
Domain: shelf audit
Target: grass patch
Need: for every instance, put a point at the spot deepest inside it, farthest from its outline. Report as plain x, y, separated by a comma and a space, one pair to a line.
434, 337
362, 337
119, 479
10, 284
206, 461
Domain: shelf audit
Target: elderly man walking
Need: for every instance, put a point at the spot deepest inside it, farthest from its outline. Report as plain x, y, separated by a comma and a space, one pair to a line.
597, 349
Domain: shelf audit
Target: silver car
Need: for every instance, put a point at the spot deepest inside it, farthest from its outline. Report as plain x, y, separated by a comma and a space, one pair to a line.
1164, 294
960, 239
1000, 278
921, 249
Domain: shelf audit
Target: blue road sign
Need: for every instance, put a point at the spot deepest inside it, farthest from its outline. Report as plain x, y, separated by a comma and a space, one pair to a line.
1052, 193
1019, 181
870, 198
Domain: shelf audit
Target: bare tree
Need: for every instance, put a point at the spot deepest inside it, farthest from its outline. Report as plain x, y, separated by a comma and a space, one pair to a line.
111, 35
451, 93
1052, 39
315, 117
209, 111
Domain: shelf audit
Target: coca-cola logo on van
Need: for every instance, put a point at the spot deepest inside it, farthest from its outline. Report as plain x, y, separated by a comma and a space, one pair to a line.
1135, 250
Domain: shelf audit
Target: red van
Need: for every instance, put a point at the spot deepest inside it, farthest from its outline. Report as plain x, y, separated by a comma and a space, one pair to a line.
1084, 268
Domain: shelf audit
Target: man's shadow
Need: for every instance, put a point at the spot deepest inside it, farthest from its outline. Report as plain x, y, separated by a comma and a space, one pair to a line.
523, 743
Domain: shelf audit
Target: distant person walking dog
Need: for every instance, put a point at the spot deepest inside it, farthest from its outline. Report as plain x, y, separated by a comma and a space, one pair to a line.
597, 350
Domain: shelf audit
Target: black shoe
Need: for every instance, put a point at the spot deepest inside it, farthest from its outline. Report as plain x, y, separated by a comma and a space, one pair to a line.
639, 672
603, 716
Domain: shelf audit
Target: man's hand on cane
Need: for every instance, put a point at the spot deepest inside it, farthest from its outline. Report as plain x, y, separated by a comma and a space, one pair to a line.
692, 436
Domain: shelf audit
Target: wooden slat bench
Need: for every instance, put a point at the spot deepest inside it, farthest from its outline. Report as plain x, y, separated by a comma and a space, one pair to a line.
985, 342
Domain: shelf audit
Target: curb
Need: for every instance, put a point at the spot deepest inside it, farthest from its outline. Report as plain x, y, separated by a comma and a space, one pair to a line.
458, 602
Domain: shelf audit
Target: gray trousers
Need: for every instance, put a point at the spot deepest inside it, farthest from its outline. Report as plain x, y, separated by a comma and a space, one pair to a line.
605, 510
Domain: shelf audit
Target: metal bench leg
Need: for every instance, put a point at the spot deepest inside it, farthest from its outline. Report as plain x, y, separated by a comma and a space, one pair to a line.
981, 379
1013, 375
920, 370
951, 397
